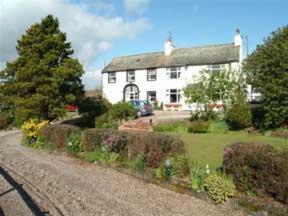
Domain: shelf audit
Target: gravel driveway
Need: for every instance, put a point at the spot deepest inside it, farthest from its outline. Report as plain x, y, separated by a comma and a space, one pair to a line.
62, 185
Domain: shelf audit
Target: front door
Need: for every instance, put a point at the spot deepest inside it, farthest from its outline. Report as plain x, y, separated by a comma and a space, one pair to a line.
131, 92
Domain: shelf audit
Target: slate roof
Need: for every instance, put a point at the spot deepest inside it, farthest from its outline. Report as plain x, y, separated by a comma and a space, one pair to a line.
205, 55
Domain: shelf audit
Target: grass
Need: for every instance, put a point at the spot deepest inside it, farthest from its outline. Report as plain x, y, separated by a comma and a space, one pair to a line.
208, 148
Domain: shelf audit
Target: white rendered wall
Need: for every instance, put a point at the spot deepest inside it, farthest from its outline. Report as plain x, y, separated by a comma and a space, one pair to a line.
189, 74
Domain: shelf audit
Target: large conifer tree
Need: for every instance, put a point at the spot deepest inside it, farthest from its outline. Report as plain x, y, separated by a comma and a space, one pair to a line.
44, 77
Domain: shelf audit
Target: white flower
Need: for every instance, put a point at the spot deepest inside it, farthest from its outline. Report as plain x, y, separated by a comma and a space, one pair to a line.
70, 143
207, 169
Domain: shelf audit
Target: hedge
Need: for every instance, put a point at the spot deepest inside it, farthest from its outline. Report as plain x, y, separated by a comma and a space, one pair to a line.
58, 134
258, 168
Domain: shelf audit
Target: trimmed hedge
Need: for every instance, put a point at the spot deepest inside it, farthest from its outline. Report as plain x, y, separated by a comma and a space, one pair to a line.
258, 168
58, 134
155, 146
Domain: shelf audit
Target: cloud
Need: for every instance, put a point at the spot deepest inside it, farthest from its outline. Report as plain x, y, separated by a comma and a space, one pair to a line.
136, 6
91, 26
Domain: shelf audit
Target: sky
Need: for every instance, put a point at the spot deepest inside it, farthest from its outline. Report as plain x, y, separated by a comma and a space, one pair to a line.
102, 29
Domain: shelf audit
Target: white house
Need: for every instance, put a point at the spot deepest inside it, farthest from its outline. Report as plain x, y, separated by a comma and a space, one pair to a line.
161, 76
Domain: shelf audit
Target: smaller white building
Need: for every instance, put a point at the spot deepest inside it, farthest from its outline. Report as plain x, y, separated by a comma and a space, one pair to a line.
161, 76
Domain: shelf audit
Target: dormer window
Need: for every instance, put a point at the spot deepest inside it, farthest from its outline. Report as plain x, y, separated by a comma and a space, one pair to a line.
131, 76
112, 77
173, 73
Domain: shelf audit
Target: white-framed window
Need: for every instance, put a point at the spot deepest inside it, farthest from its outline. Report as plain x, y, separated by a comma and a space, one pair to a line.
216, 68
174, 73
174, 95
151, 96
112, 77
131, 76
151, 74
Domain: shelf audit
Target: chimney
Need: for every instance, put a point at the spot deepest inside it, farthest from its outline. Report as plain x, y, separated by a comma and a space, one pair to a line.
169, 46
238, 41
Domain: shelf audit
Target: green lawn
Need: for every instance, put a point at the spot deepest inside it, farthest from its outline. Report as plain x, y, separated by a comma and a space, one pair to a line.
208, 148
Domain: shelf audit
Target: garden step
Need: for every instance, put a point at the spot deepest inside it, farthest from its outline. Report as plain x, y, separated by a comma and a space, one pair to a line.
136, 125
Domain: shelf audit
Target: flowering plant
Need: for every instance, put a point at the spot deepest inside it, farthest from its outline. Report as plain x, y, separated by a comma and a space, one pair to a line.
32, 128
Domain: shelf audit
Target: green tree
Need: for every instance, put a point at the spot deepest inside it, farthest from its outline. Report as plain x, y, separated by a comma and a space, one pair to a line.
209, 88
44, 77
267, 67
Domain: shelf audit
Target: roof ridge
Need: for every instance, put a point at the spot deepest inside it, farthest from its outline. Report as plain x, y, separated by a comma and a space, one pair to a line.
149, 53
213, 45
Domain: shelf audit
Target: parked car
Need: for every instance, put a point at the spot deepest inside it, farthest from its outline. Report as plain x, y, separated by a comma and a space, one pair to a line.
142, 107
72, 108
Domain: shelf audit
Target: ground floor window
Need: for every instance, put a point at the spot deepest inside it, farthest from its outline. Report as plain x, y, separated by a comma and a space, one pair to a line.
151, 96
174, 95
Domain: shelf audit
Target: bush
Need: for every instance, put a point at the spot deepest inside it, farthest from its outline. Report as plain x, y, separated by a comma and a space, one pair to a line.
102, 155
105, 121
259, 168
138, 165
112, 140
177, 127
198, 126
5, 120
122, 111
58, 134
218, 127
73, 145
219, 187
280, 132
90, 107
32, 128
197, 174
180, 165
239, 116
153, 145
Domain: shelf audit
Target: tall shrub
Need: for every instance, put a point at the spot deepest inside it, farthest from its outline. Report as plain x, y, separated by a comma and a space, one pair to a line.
268, 71
258, 168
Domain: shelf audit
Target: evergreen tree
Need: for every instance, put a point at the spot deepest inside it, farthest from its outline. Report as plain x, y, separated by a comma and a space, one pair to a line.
268, 69
44, 78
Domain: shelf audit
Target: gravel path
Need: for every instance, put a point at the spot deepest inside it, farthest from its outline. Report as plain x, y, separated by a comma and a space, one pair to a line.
66, 186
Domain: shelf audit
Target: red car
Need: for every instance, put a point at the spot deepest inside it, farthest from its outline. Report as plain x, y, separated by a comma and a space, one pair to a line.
72, 108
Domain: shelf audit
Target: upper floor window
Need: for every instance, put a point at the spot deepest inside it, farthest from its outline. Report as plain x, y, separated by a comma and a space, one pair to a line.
174, 73
151, 74
131, 76
112, 77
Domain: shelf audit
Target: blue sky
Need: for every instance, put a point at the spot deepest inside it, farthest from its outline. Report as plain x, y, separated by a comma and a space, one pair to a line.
102, 29
194, 23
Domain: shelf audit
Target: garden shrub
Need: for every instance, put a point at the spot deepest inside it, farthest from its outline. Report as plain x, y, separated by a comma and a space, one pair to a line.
32, 128
280, 132
218, 127
198, 126
176, 127
197, 175
105, 121
168, 169
239, 116
219, 187
259, 168
180, 165
155, 146
5, 120
73, 145
113, 140
138, 165
58, 134
90, 107
122, 111
102, 155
